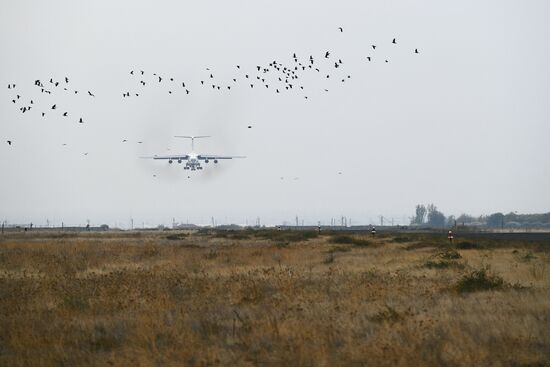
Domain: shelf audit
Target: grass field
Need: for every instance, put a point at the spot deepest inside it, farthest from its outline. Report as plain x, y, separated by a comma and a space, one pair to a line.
271, 298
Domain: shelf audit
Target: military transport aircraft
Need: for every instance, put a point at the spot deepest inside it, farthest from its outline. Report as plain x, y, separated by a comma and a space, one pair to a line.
193, 160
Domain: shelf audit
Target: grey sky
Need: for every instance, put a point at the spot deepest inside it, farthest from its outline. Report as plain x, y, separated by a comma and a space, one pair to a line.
464, 124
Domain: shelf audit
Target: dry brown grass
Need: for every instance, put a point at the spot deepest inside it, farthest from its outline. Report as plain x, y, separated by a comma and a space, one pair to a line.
142, 299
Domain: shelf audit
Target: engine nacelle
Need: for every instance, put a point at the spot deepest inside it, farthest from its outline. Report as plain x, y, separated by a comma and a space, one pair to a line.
215, 161
179, 160
206, 161
170, 161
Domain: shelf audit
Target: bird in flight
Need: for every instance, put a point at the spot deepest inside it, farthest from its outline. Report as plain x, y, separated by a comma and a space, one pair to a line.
91, 94
250, 126
53, 107
341, 29
64, 114
394, 42
374, 47
327, 54
368, 58
9, 142
80, 121
415, 50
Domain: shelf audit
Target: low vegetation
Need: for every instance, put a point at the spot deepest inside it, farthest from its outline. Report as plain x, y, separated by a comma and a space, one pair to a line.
351, 240
270, 298
480, 280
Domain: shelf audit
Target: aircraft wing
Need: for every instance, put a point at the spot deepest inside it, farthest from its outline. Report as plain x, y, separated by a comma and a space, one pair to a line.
214, 156
174, 157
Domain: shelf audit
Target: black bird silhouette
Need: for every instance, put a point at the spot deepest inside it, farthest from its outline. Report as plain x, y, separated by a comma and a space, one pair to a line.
251, 85
368, 58
238, 67
142, 72
91, 94
202, 81
341, 29
249, 126
211, 76
386, 60
53, 107
327, 54
80, 121
9, 142
13, 100
186, 91
394, 42
374, 47
132, 72
183, 84
124, 141
66, 80
160, 79
235, 80
258, 68
43, 113
336, 65
415, 50
65, 114
56, 84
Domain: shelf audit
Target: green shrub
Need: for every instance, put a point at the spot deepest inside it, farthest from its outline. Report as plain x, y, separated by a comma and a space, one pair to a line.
466, 245
286, 236
449, 254
479, 280
402, 239
176, 236
349, 240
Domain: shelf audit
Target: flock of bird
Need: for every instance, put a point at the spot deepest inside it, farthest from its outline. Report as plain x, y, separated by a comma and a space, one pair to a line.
275, 76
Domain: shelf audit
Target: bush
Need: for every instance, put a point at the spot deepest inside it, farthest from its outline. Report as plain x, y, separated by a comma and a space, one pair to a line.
479, 280
349, 240
442, 264
286, 236
402, 239
449, 254
176, 237
339, 249
466, 245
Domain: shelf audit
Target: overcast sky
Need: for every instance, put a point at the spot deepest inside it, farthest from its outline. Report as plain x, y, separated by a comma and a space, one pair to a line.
463, 124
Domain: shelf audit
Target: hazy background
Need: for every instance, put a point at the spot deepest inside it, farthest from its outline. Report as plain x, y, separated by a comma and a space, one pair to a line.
464, 124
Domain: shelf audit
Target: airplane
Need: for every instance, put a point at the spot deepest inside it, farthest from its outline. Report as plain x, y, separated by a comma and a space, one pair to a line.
193, 160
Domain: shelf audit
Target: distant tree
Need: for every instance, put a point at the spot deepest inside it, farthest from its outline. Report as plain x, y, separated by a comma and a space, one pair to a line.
451, 220
435, 217
465, 218
495, 220
420, 215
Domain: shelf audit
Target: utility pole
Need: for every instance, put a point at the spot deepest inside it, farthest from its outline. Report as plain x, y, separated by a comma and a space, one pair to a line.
132, 223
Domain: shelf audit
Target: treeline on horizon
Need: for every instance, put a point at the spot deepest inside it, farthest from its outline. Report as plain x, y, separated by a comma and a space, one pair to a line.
430, 216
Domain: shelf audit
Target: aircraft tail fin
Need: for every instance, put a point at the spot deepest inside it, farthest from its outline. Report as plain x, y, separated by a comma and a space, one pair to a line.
192, 139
